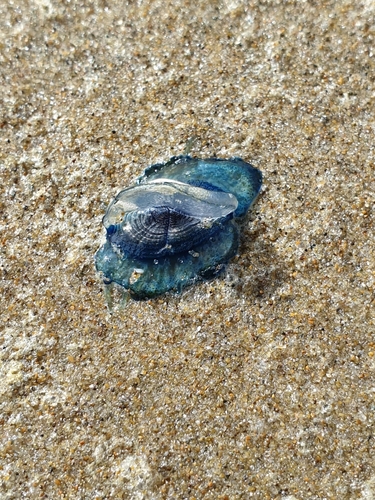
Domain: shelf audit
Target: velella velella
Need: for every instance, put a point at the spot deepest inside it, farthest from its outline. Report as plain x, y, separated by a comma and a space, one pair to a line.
176, 224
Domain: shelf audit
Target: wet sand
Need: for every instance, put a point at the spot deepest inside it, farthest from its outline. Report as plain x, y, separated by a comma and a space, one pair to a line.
259, 384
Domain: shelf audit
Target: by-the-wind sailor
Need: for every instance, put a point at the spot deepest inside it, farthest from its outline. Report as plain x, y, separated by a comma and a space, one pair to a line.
175, 225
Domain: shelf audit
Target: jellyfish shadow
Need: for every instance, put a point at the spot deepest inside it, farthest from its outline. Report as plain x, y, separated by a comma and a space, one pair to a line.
258, 271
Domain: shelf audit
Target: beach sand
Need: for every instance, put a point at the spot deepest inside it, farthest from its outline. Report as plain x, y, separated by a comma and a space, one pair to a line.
258, 384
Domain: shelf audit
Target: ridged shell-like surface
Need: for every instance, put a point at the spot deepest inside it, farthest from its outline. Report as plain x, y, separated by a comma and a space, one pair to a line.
165, 217
174, 226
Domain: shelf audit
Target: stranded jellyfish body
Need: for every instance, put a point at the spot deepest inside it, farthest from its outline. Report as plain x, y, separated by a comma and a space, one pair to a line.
176, 225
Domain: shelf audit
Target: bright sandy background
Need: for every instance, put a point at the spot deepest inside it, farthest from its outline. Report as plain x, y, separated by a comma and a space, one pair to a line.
259, 384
